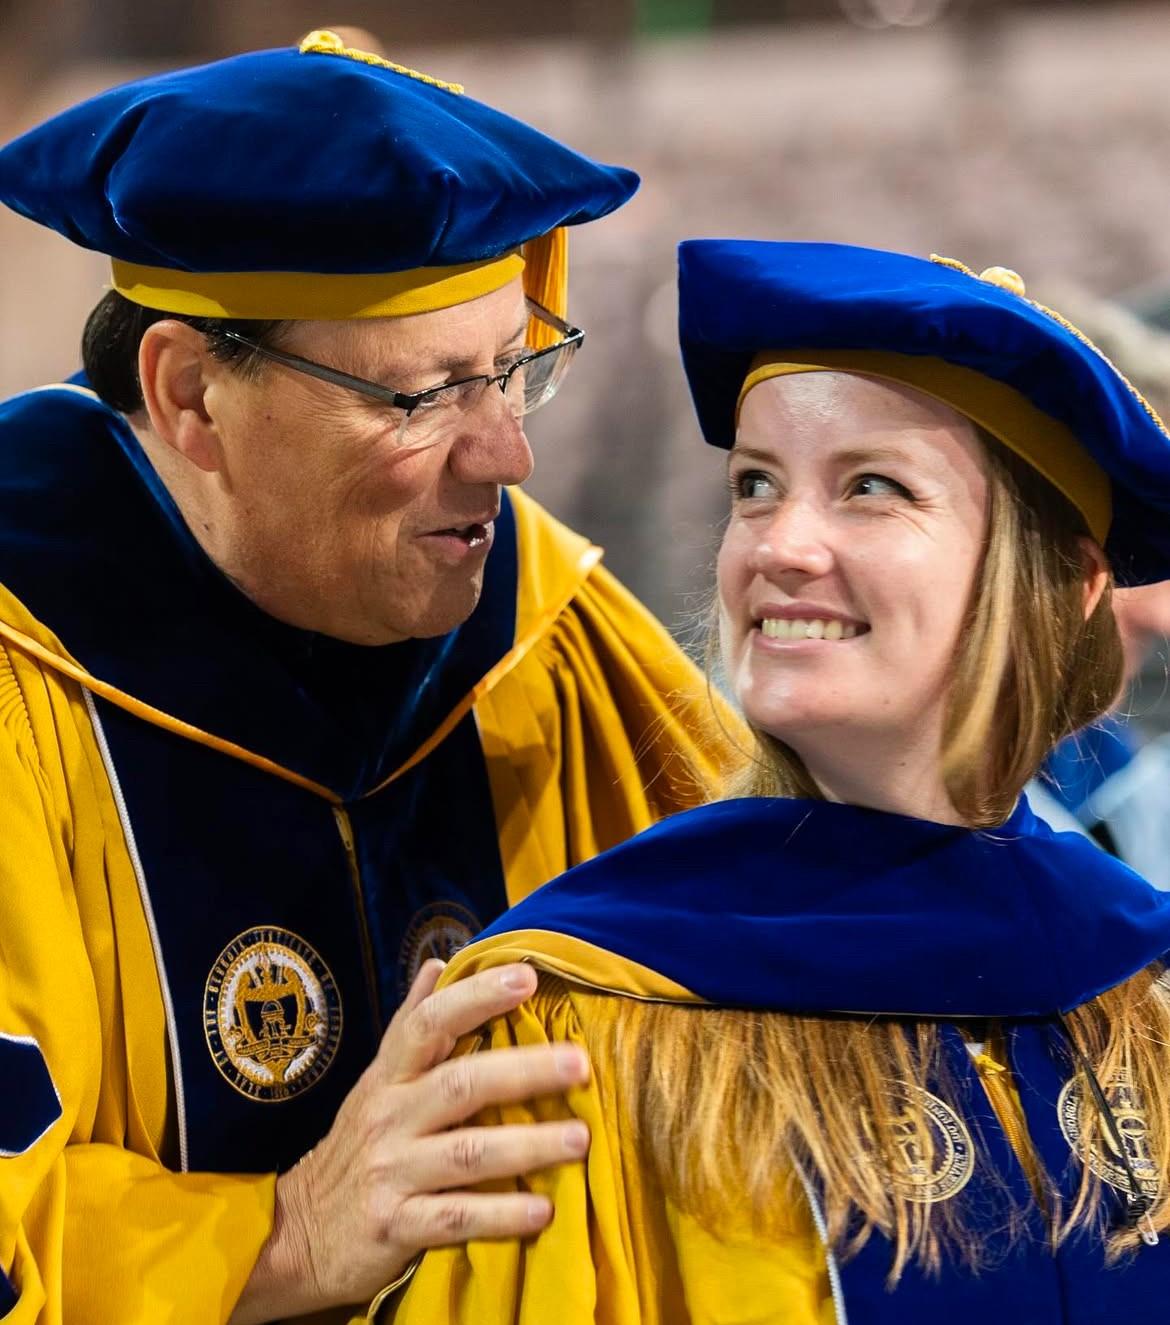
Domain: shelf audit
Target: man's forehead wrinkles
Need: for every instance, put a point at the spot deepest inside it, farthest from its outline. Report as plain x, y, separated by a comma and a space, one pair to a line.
384, 359
411, 353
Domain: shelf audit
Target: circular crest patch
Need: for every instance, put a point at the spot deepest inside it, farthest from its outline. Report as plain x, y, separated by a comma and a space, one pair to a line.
272, 1014
932, 1141
438, 930
1104, 1159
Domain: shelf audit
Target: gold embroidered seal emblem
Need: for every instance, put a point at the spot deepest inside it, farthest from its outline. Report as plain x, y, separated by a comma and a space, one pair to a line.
272, 1014
1078, 1118
934, 1157
438, 930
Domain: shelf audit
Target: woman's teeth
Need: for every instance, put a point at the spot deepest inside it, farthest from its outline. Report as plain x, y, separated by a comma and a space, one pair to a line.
780, 628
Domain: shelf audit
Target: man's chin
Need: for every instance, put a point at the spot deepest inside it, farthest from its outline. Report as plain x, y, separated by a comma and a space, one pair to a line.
445, 611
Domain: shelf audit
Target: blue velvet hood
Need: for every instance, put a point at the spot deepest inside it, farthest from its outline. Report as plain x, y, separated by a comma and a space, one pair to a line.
813, 907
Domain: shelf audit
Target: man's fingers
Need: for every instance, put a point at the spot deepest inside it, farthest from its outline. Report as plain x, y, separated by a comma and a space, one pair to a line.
478, 1154
424, 984
437, 1221
457, 1089
423, 1035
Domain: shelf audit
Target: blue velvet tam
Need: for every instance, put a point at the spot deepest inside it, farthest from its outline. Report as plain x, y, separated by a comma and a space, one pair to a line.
755, 309
317, 181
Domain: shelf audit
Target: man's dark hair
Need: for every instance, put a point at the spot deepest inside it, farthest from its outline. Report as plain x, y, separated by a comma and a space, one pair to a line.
114, 331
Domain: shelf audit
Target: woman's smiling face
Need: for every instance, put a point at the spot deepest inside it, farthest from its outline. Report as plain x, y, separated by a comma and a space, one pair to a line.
857, 527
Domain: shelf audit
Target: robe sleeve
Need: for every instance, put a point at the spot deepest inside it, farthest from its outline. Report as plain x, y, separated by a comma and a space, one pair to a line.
90, 1231
617, 1252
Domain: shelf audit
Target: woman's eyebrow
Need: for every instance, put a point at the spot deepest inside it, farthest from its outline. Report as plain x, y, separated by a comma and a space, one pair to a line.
875, 455
750, 453
847, 456
869, 455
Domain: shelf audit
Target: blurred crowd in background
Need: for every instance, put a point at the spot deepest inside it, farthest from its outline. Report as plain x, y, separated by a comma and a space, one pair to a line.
1030, 135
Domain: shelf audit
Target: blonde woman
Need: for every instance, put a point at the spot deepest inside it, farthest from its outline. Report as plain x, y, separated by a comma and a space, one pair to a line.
870, 1043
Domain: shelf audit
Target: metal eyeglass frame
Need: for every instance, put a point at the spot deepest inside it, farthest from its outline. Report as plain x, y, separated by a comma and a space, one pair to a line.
410, 401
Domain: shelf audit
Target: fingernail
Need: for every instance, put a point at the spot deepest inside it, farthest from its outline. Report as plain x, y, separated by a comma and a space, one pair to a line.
576, 1138
515, 978
539, 1210
572, 1065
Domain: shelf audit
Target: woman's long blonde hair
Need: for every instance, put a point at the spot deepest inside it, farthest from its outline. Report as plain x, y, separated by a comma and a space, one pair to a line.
726, 1103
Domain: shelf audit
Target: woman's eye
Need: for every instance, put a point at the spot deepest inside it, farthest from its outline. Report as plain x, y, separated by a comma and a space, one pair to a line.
751, 484
878, 485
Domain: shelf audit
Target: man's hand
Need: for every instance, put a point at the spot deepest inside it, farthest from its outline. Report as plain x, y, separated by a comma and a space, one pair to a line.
388, 1179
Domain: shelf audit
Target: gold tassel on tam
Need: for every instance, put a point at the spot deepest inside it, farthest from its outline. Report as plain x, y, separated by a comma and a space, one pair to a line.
546, 281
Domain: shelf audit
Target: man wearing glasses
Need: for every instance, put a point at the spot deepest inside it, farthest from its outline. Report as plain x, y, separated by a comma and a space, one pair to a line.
296, 695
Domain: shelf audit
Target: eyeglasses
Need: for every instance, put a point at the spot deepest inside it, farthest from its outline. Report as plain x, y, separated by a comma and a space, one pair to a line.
425, 418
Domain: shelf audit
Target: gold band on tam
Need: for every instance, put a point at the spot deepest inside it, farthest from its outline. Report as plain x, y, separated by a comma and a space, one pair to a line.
277, 295
1046, 444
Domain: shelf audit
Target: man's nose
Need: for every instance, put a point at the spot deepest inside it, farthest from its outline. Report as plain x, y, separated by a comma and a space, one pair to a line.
795, 538
492, 446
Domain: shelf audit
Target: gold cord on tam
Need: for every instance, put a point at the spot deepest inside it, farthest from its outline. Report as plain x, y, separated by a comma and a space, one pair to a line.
324, 42
1007, 279
1010, 417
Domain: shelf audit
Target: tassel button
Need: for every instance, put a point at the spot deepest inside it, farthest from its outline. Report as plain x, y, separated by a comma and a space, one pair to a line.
1005, 278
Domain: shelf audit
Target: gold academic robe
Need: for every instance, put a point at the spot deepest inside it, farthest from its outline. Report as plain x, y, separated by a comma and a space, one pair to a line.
593, 724
617, 1251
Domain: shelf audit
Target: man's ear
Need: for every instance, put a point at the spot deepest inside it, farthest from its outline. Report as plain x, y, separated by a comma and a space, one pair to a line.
174, 368
1096, 573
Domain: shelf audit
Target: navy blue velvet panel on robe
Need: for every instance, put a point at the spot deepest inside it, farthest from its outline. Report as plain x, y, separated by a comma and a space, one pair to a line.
269, 945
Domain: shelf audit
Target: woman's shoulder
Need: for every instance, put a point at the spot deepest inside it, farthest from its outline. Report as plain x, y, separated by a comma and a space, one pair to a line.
559, 1010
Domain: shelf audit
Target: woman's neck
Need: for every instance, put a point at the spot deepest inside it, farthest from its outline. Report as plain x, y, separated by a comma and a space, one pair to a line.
880, 775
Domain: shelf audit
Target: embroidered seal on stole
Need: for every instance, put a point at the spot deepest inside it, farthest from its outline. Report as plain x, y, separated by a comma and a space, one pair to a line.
272, 1014
931, 1147
1078, 1117
437, 930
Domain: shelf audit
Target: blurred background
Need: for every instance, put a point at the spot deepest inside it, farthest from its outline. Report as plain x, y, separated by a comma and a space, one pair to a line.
1032, 135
